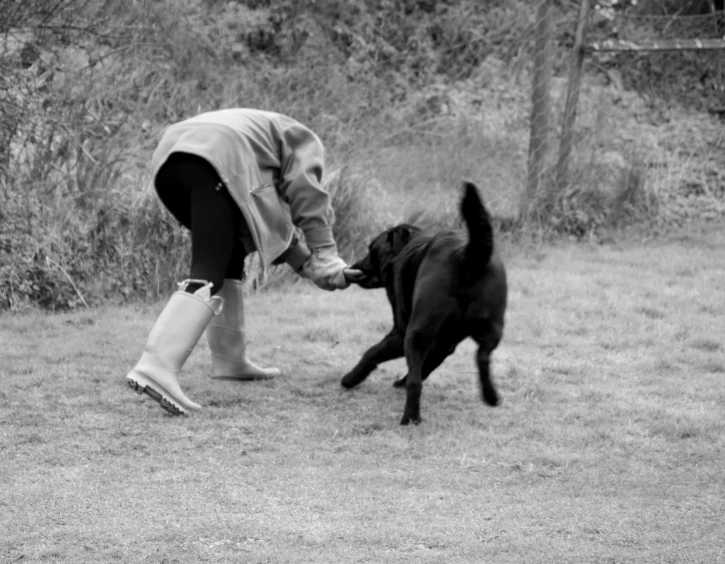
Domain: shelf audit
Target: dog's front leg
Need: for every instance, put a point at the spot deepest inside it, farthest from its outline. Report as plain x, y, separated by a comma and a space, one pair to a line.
391, 347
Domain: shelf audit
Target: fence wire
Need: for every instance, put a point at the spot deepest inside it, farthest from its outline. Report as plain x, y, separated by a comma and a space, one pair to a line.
644, 141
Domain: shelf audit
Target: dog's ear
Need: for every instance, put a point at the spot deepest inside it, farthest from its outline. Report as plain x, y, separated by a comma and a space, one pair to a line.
399, 237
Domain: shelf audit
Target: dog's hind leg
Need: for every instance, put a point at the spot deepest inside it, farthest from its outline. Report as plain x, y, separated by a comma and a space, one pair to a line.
390, 348
488, 391
487, 340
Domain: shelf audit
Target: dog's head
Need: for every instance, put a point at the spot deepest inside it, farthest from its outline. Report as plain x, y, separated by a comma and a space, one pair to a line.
371, 270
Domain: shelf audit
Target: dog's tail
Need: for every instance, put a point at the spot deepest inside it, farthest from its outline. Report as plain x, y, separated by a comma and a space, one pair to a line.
480, 244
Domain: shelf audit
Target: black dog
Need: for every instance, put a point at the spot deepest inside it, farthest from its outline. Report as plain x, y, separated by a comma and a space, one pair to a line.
442, 288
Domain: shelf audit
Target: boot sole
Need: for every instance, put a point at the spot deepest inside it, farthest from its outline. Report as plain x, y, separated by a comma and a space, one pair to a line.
165, 402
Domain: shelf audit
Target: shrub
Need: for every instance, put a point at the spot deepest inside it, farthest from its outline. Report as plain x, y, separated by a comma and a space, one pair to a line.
600, 195
87, 88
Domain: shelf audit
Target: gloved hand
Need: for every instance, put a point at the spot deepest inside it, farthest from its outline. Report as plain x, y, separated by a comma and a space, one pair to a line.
325, 268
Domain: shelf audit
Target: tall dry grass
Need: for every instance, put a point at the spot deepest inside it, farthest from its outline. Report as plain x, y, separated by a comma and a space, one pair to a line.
86, 114
407, 104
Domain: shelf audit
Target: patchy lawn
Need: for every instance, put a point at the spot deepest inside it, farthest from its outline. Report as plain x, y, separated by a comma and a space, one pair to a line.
609, 446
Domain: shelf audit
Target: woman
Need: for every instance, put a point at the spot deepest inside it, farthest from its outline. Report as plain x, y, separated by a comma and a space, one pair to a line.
241, 180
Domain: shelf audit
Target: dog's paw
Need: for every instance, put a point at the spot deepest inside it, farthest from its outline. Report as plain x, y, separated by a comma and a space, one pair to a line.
411, 418
349, 381
400, 383
491, 397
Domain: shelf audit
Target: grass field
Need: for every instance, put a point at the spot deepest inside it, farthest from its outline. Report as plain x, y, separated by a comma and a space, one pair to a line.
609, 446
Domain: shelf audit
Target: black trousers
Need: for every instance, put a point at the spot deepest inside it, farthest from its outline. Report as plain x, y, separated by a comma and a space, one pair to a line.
192, 191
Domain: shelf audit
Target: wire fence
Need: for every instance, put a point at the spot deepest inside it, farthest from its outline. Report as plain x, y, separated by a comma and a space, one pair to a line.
629, 145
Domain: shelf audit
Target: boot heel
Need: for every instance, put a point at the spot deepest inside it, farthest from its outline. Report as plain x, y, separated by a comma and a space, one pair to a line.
164, 402
227, 339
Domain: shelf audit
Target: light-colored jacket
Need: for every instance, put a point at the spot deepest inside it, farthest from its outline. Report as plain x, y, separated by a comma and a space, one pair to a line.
272, 166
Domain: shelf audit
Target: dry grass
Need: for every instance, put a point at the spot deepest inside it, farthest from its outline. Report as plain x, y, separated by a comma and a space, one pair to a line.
609, 446
421, 170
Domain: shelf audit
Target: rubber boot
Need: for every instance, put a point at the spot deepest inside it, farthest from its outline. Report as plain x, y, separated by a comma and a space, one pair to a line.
170, 342
226, 338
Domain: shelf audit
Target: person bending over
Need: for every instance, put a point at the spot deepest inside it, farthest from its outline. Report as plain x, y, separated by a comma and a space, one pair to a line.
240, 180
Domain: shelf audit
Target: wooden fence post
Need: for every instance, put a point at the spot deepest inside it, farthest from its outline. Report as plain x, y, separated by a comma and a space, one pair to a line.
572, 98
540, 112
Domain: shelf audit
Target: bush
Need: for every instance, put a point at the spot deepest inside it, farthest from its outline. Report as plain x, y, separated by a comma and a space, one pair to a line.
600, 196
87, 88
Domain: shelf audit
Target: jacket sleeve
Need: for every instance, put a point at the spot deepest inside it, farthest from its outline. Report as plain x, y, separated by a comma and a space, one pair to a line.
301, 185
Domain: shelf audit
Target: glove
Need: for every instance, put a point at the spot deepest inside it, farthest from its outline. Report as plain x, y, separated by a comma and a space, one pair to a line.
325, 268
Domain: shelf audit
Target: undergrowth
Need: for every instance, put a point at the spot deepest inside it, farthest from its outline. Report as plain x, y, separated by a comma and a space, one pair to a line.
409, 98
